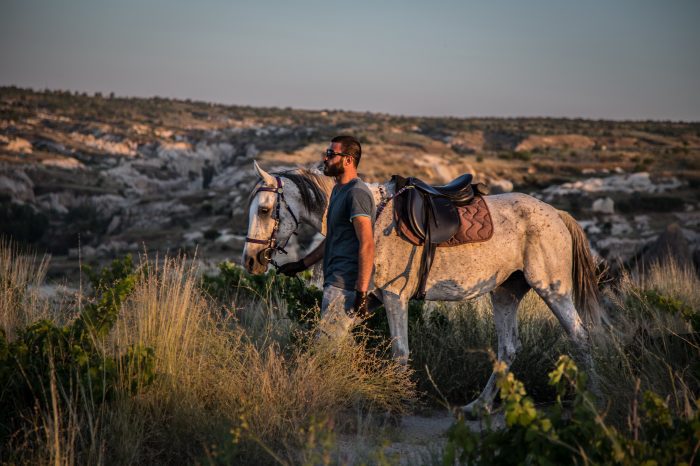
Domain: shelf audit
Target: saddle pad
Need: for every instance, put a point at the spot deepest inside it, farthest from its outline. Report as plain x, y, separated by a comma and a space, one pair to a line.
475, 225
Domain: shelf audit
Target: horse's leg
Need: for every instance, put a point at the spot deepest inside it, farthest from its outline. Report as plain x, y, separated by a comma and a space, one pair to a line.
505, 300
564, 309
397, 313
556, 290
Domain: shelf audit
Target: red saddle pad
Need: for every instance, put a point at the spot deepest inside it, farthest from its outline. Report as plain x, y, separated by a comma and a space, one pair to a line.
475, 225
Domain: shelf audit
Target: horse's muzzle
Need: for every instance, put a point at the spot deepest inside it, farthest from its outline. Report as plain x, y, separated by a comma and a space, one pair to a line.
255, 263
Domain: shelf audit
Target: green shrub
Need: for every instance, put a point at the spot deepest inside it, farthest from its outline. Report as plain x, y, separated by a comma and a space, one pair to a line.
233, 283
673, 306
575, 433
47, 363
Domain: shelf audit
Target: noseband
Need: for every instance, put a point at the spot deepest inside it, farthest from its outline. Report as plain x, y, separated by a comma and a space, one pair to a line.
272, 247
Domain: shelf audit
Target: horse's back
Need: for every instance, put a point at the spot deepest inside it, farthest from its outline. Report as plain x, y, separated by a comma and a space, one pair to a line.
525, 229
521, 223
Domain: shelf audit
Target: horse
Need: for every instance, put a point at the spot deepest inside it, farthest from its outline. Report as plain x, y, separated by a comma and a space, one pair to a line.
533, 246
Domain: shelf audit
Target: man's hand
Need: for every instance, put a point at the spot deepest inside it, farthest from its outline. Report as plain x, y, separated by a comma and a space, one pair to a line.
290, 269
360, 307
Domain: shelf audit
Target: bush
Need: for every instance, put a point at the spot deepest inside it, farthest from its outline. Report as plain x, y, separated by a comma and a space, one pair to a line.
234, 284
47, 366
575, 434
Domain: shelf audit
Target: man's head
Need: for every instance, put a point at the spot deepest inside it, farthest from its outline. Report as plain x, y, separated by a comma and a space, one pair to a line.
343, 152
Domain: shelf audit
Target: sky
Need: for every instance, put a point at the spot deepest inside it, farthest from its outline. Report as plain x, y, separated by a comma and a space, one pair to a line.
612, 59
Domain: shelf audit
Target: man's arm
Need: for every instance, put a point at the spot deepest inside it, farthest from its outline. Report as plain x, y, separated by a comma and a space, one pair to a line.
315, 255
292, 268
363, 230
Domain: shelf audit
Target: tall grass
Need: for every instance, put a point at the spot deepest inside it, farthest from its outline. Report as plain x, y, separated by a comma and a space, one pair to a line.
21, 276
651, 344
455, 344
212, 378
242, 384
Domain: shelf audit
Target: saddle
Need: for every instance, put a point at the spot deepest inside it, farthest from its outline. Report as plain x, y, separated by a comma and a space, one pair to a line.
447, 215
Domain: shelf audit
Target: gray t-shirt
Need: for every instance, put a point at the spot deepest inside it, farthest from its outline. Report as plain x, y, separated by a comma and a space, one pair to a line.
340, 256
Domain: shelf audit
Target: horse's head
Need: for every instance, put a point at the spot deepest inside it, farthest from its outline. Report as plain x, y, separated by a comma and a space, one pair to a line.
271, 221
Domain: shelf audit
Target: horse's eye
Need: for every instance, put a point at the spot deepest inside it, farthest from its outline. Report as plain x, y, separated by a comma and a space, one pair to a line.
264, 210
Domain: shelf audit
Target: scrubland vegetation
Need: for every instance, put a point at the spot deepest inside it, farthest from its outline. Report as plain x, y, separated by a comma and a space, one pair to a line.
152, 363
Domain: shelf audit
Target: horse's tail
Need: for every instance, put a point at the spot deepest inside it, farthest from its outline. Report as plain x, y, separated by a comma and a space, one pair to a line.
585, 278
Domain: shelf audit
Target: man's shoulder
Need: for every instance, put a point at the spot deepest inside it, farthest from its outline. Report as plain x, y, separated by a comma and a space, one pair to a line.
360, 186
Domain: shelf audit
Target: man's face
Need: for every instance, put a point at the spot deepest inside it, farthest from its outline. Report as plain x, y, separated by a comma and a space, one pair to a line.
334, 166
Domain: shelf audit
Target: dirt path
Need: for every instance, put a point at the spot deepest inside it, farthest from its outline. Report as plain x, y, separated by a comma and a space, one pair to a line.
417, 440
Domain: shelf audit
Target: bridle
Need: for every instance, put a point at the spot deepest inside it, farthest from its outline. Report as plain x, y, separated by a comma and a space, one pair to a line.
272, 246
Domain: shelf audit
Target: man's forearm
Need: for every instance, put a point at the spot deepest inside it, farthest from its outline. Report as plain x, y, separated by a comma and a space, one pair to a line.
315, 255
365, 266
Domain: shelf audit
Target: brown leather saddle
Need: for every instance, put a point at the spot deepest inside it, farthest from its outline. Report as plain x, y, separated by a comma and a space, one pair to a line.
447, 215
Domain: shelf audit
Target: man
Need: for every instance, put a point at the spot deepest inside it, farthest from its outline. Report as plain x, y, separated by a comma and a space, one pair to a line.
348, 250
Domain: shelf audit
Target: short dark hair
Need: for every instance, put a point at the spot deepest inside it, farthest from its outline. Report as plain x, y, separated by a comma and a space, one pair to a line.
350, 146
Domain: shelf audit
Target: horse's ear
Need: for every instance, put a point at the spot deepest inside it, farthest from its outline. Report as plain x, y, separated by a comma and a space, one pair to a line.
268, 179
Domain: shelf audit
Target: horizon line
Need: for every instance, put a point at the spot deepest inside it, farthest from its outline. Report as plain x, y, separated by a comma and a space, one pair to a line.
105, 95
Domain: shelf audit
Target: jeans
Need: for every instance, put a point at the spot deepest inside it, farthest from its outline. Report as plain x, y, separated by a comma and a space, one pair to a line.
336, 311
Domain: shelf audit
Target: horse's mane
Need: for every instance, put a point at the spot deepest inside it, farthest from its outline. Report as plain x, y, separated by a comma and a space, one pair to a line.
313, 187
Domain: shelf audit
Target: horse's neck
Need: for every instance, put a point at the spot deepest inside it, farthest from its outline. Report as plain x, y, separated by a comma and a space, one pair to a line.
380, 192
317, 223
312, 218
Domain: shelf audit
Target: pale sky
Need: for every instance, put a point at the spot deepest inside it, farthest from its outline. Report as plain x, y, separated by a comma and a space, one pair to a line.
631, 59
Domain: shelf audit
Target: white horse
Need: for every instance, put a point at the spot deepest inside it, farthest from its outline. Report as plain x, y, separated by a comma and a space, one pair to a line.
533, 246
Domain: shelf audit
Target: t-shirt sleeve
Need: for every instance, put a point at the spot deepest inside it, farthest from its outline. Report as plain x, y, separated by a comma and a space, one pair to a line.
361, 204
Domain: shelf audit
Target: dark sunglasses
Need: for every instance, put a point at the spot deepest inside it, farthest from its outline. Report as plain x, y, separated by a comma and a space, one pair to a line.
329, 154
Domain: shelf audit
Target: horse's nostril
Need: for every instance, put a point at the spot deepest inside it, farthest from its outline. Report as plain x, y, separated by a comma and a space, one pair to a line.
250, 263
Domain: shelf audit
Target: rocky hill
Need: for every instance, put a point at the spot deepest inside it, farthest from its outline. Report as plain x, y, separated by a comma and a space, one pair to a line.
102, 175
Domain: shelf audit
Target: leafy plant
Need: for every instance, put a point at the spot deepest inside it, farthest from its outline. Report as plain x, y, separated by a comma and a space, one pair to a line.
673, 306
574, 431
234, 283
46, 360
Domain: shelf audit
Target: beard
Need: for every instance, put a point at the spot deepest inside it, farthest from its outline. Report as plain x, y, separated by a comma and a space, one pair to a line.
334, 169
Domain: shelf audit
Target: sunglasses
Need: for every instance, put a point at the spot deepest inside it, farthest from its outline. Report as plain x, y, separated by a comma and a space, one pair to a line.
329, 154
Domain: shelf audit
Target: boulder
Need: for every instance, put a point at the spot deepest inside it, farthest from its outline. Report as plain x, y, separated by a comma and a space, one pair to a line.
671, 244
500, 185
604, 205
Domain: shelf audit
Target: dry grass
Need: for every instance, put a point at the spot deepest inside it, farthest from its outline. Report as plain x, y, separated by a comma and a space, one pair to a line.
213, 377
21, 276
455, 342
650, 347
646, 348
225, 376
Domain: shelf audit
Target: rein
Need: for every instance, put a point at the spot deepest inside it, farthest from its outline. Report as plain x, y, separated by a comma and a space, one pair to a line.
385, 199
272, 246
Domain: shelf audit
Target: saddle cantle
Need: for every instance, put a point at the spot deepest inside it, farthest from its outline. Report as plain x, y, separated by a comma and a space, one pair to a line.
459, 191
441, 216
